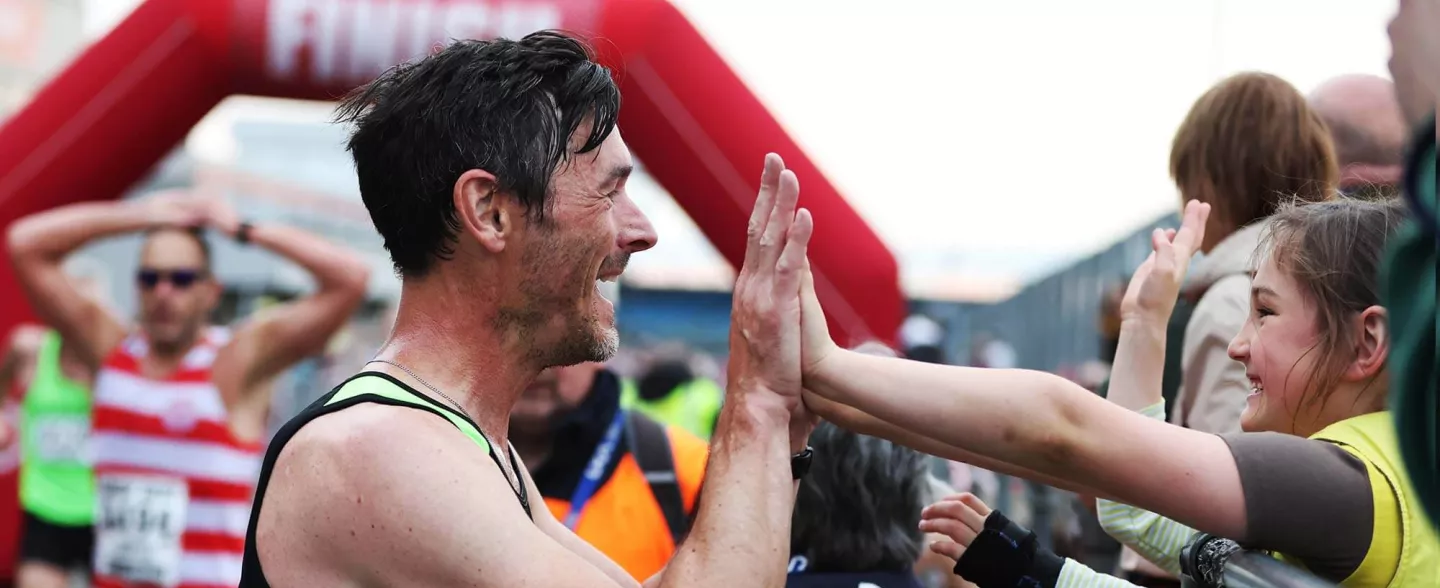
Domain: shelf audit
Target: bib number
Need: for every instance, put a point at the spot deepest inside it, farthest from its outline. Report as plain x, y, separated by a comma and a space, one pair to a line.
138, 528
60, 438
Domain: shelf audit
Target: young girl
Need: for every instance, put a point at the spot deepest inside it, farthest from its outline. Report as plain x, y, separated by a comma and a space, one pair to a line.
1314, 348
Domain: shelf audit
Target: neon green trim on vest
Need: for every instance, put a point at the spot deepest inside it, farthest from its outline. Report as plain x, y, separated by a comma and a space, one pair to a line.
57, 483
692, 406
378, 386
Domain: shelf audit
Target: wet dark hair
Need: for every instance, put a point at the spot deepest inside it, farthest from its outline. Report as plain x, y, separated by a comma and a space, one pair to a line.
858, 508
1333, 252
507, 107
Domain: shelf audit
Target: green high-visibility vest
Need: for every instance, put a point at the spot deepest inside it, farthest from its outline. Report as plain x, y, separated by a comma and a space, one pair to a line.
57, 484
692, 406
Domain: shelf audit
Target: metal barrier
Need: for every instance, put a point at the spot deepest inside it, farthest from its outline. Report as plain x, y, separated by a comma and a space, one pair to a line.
1213, 562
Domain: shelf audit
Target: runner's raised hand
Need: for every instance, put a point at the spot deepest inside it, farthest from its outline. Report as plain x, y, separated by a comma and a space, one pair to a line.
765, 318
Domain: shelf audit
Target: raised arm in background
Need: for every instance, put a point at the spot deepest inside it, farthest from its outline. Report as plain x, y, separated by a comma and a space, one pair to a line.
40, 243
16, 360
277, 337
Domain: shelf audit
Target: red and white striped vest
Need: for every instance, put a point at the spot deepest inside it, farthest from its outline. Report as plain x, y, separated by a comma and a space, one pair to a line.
173, 483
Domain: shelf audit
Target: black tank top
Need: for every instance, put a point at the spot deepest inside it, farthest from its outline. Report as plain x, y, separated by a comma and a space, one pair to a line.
371, 387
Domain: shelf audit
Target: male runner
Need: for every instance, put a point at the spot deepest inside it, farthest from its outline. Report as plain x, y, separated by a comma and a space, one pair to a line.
179, 406
494, 173
57, 485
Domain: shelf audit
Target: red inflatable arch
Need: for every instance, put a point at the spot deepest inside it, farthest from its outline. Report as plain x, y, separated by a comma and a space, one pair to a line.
99, 126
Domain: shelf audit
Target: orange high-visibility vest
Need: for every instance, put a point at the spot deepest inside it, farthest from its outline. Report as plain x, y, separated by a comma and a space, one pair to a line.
623, 519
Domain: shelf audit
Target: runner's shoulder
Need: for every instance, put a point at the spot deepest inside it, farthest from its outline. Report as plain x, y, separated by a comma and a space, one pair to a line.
369, 431
352, 449
387, 456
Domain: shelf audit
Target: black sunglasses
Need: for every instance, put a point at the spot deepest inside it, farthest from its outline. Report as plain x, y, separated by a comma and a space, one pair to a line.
180, 278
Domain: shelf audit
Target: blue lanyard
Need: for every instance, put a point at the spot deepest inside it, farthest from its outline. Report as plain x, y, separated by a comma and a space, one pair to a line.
590, 479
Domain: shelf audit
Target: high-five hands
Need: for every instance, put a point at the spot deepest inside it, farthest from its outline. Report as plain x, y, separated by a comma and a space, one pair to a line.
765, 343
1156, 284
815, 331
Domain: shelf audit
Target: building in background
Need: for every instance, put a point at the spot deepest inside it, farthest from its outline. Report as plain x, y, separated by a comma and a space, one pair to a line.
1051, 323
36, 38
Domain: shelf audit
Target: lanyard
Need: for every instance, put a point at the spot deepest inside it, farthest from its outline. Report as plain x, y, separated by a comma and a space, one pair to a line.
590, 479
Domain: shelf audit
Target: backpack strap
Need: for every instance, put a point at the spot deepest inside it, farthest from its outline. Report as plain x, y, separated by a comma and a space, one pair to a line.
650, 445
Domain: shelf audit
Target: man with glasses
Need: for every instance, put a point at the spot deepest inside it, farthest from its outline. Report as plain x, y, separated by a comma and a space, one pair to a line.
180, 406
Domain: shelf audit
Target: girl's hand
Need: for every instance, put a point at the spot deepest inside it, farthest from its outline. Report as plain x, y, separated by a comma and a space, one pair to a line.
1156, 284
960, 518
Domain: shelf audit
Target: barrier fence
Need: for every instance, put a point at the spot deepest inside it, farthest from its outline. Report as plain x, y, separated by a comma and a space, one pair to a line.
1213, 562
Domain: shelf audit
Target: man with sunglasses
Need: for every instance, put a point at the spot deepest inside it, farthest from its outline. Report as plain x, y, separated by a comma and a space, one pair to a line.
180, 406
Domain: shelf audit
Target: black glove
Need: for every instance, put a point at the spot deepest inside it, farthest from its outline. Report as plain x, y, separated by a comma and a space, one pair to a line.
1005, 555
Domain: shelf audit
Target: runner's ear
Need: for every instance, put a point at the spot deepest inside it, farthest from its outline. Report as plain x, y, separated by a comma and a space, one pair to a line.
482, 210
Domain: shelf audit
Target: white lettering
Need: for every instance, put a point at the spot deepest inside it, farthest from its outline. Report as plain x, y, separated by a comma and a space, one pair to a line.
298, 29
373, 39
285, 27
422, 30
465, 21
354, 40
518, 20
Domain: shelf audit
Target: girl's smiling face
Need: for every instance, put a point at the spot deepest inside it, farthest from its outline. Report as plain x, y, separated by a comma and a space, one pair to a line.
1277, 346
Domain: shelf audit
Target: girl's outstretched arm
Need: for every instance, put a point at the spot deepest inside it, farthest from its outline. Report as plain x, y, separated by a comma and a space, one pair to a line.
1041, 422
861, 422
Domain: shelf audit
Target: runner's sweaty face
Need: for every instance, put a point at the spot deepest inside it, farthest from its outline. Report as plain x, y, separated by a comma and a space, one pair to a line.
175, 289
586, 236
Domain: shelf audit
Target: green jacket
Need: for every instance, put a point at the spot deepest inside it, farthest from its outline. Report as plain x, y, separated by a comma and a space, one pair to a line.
1408, 291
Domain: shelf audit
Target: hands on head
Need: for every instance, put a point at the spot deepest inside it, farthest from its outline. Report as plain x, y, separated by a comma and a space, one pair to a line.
182, 209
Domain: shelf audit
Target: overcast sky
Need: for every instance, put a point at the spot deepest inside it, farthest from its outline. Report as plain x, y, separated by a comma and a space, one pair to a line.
990, 141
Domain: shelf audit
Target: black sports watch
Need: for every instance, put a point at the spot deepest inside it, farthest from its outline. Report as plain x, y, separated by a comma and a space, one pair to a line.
242, 232
800, 462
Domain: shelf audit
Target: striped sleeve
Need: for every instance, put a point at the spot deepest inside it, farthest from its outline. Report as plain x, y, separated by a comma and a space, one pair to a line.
1077, 575
1154, 537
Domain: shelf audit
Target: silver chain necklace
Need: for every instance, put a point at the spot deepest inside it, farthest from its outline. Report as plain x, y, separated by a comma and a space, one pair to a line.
461, 409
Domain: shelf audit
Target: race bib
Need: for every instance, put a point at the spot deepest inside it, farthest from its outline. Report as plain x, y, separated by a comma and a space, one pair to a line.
60, 437
138, 528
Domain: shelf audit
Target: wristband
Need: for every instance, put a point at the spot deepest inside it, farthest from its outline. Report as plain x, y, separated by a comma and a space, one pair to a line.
800, 462
1007, 555
242, 232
